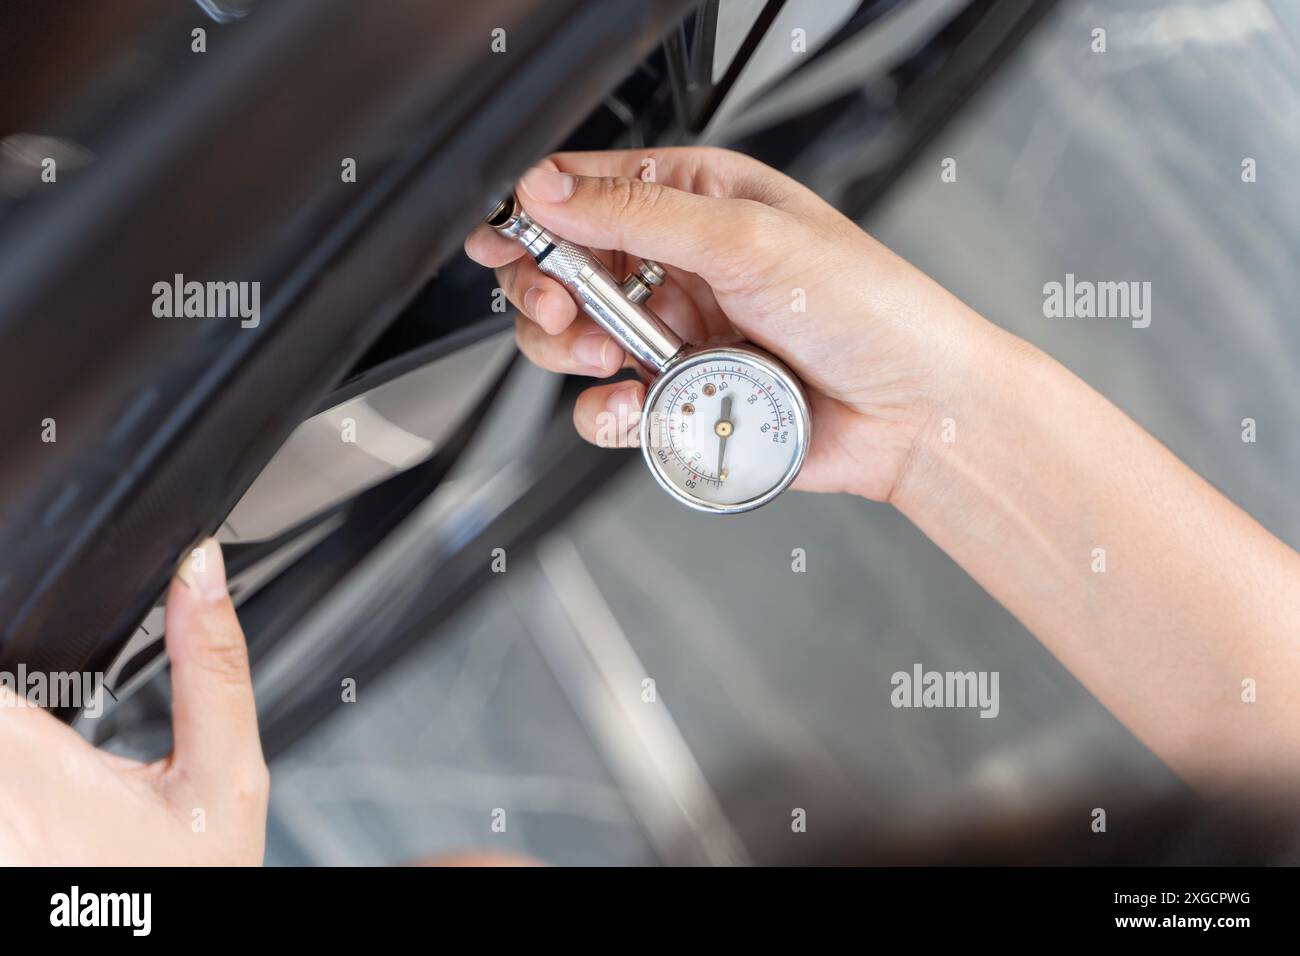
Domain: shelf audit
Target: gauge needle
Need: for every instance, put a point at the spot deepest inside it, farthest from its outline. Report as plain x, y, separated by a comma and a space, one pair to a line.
723, 429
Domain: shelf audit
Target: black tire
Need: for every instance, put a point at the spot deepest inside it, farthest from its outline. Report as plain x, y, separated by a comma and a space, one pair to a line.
161, 424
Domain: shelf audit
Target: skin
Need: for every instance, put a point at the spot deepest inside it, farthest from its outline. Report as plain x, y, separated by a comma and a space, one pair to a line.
1196, 597
69, 804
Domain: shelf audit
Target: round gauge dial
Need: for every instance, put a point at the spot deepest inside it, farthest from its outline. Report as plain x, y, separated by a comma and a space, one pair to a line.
725, 430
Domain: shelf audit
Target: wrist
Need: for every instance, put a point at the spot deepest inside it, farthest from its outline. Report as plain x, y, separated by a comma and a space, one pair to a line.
983, 368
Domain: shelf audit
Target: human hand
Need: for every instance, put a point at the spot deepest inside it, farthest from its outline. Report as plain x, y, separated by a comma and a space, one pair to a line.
67, 803
749, 252
1047, 474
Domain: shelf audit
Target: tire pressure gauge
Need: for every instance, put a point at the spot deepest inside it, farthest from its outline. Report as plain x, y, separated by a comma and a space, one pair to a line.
724, 429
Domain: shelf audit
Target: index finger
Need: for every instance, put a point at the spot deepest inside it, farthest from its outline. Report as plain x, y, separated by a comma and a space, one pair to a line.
704, 170
725, 241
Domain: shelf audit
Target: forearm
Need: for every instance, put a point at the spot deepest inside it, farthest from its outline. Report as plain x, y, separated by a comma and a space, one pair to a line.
1042, 480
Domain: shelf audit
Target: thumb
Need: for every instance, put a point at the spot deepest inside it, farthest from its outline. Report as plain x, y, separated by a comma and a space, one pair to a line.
716, 238
214, 720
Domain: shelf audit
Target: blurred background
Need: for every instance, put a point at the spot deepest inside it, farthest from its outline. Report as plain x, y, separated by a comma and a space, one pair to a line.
774, 687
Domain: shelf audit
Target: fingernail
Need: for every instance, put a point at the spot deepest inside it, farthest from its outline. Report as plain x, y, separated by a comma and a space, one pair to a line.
531, 300
592, 349
204, 570
547, 185
622, 399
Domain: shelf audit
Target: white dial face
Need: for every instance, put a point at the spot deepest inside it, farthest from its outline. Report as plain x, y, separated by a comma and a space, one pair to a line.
725, 429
